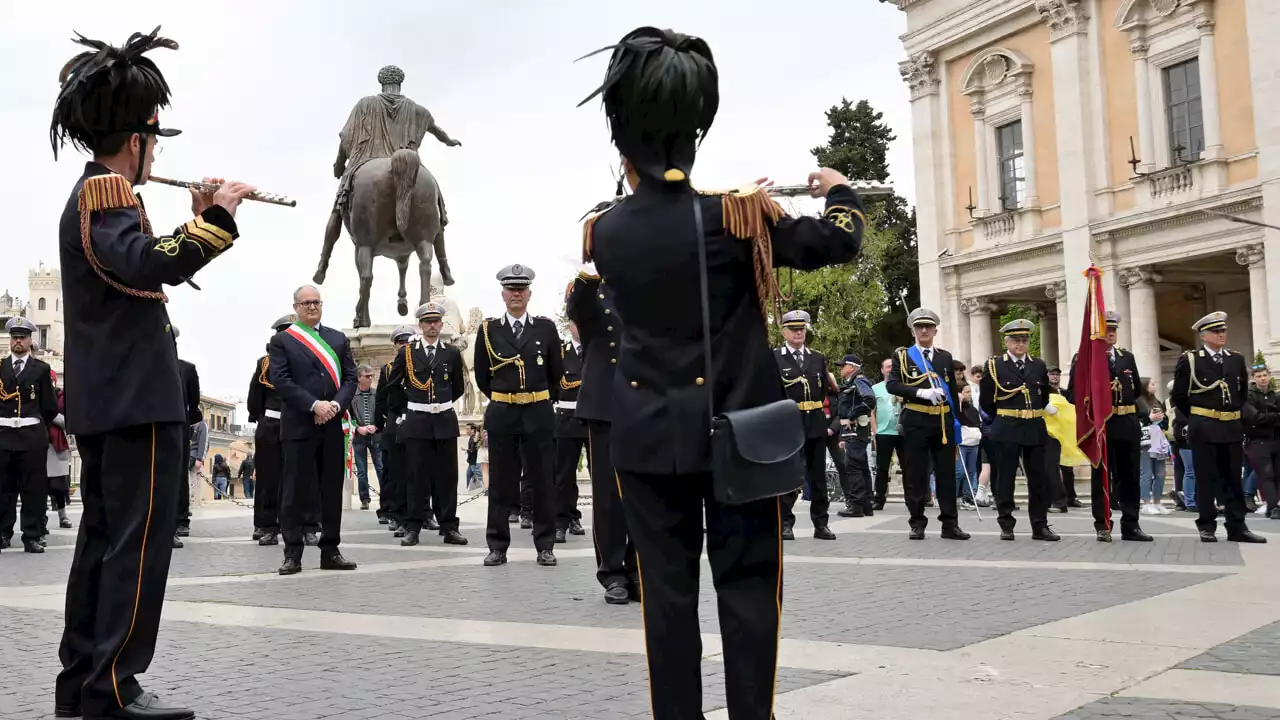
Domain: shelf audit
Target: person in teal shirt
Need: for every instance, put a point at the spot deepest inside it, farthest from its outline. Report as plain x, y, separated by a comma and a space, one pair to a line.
888, 441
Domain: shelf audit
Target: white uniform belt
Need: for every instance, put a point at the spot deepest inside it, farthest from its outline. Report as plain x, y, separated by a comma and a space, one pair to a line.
433, 408
19, 422
274, 414
567, 405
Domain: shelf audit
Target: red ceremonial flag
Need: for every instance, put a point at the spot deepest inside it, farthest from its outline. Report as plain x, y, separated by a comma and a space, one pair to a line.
1091, 380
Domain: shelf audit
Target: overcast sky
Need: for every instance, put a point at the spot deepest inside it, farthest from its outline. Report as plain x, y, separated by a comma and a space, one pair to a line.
261, 90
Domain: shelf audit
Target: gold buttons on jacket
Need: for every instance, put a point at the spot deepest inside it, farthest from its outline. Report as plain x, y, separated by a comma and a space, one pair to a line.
613, 344
606, 312
635, 384
700, 381
601, 296
613, 360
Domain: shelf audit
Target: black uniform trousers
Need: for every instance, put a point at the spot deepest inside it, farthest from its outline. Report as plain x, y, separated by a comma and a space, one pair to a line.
1218, 470
886, 446
392, 501
1122, 468
1004, 477
854, 468
815, 470
615, 553
22, 474
664, 515
925, 448
1064, 492
433, 483
509, 455
269, 462
128, 483
314, 469
1264, 456
568, 453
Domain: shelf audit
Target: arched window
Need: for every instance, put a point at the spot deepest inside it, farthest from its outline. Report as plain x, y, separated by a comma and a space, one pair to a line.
41, 304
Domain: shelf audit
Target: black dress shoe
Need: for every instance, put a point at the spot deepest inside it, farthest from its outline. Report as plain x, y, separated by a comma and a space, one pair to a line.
1103, 535
431, 524
453, 537
616, 594
269, 538
1057, 509
575, 528
1245, 536
257, 534
954, 532
850, 511
513, 518
290, 566
916, 534
410, 539
560, 536
546, 558
364, 504
822, 532
879, 505
147, 707
1044, 533
1208, 536
1074, 503
494, 558
1274, 514
393, 524
788, 533
400, 532
868, 510
64, 523
336, 562
69, 710
1135, 535
183, 531
384, 520
526, 523
310, 539
177, 542
1006, 534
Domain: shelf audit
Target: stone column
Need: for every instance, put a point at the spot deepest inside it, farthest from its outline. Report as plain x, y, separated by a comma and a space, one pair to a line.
1213, 149
1066, 342
979, 310
1048, 334
929, 147
1264, 72
981, 162
1142, 75
957, 327
1252, 257
1142, 320
1028, 144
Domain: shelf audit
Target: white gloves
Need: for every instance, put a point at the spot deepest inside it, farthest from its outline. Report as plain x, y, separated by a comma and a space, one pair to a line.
1050, 410
933, 396
60, 421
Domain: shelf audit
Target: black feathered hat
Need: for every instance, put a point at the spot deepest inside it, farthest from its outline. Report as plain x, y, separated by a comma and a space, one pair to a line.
661, 93
109, 90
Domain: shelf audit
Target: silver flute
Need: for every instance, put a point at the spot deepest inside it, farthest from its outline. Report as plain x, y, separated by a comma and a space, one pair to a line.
865, 188
259, 196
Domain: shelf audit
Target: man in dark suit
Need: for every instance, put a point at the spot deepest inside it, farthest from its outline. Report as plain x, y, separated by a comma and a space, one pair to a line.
1210, 386
518, 367
1015, 392
426, 378
315, 376
391, 489
191, 398
123, 394
571, 440
264, 409
924, 377
28, 407
616, 568
1124, 444
807, 381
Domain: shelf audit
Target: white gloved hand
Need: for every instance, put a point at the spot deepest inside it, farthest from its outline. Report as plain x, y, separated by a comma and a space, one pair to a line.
60, 421
931, 395
1050, 410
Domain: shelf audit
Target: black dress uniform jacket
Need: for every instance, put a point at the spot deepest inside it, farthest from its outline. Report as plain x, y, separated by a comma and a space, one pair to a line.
414, 380
905, 378
529, 365
301, 380
568, 425
384, 416
646, 250
1124, 393
1005, 387
118, 342
1200, 382
588, 301
262, 394
807, 383
27, 395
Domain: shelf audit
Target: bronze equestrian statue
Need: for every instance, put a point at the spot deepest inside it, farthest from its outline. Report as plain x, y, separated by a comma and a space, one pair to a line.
390, 204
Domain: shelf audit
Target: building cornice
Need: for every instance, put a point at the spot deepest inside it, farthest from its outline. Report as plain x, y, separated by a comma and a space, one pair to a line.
1232, 203
999, 255
976, 17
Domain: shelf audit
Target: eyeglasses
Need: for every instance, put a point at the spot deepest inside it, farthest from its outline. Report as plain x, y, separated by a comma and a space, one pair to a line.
309, 303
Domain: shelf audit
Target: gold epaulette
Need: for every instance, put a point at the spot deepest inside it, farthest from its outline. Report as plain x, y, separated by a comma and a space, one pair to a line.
748, 214
262, 374
584, 275
588, 232
110, 192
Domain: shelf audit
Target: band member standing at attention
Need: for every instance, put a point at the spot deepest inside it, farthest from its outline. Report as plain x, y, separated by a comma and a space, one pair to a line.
123, 388
315, 376
660, 96
1210, 386
425, 380
571, 440
28, 407
518, 367
1124, 444
391, 489
924, 377
806, 380
1015, 392
264, 409
589, 307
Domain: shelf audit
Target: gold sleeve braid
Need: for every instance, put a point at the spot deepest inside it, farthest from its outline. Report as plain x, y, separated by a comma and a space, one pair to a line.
262, 374
568, 384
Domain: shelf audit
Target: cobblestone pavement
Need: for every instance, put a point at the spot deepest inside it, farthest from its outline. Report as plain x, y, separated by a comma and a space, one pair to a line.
874, 625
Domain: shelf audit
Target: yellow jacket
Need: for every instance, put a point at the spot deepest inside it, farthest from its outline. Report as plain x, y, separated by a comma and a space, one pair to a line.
1062, 427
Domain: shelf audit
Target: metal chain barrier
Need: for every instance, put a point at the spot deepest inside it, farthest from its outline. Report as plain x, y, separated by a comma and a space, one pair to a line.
216, 492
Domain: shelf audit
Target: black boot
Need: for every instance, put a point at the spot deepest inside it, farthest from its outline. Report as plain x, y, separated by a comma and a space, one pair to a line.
1240, 536
560, 536
495, 557
575, 528
1044, 533
1135, 535
410, 539
336, 562
822, 532
269, 538
953, 532
290, 566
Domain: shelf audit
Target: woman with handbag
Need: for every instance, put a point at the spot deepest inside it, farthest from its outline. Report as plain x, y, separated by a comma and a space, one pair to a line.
692, 279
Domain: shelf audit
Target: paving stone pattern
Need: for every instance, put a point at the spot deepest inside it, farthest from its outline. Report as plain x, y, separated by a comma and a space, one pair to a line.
1148, 709
230, 673
1257, 653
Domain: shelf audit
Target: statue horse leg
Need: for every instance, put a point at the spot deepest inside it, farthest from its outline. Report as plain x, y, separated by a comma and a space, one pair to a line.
331, 233
402, 305
364, 266
424, 269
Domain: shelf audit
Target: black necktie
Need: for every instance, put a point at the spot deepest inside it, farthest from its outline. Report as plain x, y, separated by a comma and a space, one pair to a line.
928, 355
431, 354
517, 328
1217, 357
1019, 362
17, 366
799, 358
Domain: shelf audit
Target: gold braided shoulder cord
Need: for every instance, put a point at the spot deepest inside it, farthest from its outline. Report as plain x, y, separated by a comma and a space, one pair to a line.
1195, 387
7, 396
1008, 392
262, 376
802, 380
412, 375
501, 362
905, 362
568, 384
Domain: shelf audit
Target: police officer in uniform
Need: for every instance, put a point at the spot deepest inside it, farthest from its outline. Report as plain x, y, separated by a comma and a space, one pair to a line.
1124, 443
391, 489
1014, 391
28, 407
518, 367
425, 380
1210, 386
660, 95
264, 409
571, 440
806, 380
123, 391
924, 377
848, 448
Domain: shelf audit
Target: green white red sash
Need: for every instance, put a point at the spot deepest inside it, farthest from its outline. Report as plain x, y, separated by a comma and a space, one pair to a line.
311, 340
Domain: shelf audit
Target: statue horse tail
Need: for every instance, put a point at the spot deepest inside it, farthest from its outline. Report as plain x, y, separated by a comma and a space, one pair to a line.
404, 173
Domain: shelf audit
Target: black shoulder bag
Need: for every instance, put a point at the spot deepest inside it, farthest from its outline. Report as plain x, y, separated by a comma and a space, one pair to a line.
755, 452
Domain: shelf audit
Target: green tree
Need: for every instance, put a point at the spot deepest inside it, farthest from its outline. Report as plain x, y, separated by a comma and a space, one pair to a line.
1016, 311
